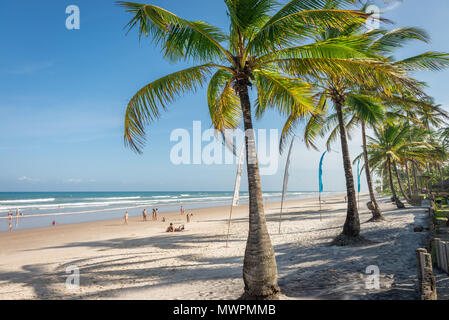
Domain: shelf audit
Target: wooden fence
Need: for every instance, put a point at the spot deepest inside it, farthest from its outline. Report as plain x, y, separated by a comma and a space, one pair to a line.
441, 254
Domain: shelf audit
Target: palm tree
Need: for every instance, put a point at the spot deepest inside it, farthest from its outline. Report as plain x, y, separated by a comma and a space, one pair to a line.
359, 110
338, 87
261, 50
390, 145
359, 98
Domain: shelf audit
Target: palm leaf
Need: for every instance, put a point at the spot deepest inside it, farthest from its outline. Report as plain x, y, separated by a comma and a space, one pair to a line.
179, 38
145, 106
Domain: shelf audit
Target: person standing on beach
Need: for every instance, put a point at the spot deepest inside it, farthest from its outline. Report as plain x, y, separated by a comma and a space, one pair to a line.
17, 217
188, 217
156, 213
10, 220
126, 217
144, 213
182, 210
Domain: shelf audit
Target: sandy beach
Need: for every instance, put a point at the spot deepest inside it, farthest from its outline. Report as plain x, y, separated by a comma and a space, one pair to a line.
141, 261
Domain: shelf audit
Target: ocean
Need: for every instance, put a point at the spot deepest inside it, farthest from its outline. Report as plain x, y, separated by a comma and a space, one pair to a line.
40, 209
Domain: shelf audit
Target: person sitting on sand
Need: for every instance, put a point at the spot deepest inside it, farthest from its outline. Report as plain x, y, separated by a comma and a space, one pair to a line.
179, 229
163, 219
171, 228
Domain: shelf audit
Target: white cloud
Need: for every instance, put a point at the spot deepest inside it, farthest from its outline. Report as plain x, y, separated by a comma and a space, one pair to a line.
72, 180
28, 179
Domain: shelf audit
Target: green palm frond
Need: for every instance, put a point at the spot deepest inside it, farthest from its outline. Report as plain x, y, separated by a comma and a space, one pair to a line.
342, 48
287, 95
433, 61
366, 108
287, 29
397, 38
224, 105
316, 122
146, 104
371, 73
179, 38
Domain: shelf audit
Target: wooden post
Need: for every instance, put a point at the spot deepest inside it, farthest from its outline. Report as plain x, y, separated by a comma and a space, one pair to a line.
430, 283
436, 242
426, 279
420, 263
443, 256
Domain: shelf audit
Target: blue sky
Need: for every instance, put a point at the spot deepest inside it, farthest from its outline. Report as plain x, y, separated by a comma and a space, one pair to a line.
64, 92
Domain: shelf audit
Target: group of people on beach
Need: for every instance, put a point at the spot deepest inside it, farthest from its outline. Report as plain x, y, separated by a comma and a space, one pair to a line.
10, 216
155, 214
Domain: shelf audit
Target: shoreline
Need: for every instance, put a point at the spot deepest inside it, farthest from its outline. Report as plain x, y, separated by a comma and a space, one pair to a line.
44, 220
142, 261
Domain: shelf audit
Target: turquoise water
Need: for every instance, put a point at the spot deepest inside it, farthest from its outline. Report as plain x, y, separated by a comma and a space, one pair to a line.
42, 208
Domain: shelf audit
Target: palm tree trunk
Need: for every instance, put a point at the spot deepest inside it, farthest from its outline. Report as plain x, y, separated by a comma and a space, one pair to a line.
374, 207
259, 265
399, 181
408, 178
415, 179
439, 172
398, 202
351, 227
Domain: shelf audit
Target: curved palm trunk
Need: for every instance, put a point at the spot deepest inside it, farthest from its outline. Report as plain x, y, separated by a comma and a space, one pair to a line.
440, 174
398, 202
399, 182
373, 206
415, 178
259, 265
408, 178
351, 227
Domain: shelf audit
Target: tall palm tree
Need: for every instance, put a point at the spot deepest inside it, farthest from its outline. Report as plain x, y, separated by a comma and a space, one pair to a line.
359, 111
390, 145
262, 49
360, 97
337, 87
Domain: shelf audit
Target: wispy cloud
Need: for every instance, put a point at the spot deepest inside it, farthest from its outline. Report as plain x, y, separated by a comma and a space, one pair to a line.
31, 68
27, 179
72, 180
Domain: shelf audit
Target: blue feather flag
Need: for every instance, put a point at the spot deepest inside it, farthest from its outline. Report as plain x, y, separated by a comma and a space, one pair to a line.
321, 172
358, 175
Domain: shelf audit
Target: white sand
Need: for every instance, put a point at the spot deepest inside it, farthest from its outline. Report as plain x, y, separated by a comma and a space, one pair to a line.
141, 261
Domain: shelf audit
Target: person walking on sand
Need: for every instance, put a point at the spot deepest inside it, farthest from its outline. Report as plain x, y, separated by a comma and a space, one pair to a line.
144, 213
126, 217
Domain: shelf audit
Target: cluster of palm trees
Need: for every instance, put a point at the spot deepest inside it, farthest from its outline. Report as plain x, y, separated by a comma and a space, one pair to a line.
311, 60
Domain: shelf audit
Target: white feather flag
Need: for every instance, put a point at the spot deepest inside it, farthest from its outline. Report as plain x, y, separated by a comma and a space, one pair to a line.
235, 198
284, 187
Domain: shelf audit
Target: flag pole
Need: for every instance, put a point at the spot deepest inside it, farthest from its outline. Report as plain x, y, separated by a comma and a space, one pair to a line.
284, 186
229, 226
235, 197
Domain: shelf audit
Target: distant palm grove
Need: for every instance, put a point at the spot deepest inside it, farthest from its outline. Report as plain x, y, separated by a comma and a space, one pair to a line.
319, 66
